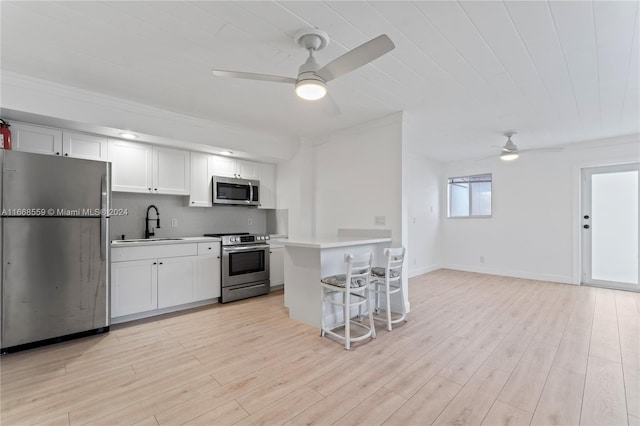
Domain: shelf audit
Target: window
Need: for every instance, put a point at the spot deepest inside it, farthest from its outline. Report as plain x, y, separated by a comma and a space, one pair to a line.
470, 196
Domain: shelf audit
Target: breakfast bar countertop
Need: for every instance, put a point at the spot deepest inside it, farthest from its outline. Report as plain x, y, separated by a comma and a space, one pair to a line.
322, 243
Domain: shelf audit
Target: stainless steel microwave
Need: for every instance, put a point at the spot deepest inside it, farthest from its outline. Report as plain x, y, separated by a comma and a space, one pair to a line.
234, 191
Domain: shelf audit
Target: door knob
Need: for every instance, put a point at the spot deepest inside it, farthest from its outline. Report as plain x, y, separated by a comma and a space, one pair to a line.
586, 226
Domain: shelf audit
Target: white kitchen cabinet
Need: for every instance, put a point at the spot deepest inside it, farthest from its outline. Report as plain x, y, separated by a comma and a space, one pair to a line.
51, 141
230, 167
80, 145
224, 166
151, 279
208, 277
134, 287
247, 169
171, 171
267, 178
201, 172
38, 139
276, 266
138, 167
176, 280
131, 166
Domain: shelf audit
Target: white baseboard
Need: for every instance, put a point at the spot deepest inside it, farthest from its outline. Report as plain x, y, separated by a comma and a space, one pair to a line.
515, 274
423, 270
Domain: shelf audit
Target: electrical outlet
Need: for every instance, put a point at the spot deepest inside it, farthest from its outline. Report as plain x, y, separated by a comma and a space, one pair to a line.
379, 220
174, 221
250, 221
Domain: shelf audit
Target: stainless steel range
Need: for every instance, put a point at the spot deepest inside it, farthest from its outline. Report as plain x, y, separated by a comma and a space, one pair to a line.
245, 265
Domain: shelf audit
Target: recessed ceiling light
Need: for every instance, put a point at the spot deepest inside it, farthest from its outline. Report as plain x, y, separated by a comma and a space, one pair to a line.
227, 153
129, 135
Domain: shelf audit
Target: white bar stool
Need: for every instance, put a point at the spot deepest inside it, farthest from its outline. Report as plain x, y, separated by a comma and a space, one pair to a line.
388, 281
354, 294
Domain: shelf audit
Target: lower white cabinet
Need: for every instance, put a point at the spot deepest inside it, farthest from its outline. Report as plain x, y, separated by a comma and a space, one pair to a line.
208, 282
276, 266
157, 277
134, 287
176, 280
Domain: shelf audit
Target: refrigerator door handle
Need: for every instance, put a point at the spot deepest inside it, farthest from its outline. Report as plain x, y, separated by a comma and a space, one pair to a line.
104, 215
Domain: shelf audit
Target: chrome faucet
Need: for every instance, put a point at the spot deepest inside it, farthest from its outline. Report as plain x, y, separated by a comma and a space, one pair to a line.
150, 233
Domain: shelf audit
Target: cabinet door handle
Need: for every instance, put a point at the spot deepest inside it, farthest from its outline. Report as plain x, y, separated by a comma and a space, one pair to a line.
57, 153
149, 189
66, 154
155, 189
154, 263
218, 257
209, 248
161, 263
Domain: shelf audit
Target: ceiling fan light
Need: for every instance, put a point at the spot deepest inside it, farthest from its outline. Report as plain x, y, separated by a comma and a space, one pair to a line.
509, 156
311, 90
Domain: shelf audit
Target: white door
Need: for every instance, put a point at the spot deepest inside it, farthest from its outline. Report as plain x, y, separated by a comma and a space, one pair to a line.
610, 226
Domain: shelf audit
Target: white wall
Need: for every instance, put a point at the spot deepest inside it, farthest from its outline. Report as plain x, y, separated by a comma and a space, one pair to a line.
422, 191
535, 228
424, 215
295, 191
358, 175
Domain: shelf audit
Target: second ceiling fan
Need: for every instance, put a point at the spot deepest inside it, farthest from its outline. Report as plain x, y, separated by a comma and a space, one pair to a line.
510, 150
311, 82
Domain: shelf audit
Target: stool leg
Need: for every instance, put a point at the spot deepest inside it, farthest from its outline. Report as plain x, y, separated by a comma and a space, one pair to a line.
347, 319
370, 308
323, 312
388, 296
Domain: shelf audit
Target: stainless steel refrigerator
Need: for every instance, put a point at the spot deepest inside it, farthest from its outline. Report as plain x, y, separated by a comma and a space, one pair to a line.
55, 248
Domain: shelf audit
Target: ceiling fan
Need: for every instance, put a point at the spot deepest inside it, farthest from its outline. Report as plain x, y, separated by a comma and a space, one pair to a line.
510, 150
311, 82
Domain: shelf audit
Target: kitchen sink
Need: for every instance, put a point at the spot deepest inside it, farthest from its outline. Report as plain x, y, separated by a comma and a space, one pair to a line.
146, 240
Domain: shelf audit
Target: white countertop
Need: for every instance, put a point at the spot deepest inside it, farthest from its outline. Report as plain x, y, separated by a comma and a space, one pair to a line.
322, 243
162, 241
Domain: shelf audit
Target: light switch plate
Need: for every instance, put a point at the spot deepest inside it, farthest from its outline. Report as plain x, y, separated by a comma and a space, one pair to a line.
379, 220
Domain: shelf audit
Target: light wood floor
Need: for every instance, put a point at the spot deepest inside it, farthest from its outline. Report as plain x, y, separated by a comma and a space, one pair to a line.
478, 349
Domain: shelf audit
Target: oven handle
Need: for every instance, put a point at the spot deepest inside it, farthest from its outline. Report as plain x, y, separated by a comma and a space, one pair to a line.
244, 248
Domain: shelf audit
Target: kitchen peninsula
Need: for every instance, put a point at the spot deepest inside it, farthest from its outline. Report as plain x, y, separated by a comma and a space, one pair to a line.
308, 260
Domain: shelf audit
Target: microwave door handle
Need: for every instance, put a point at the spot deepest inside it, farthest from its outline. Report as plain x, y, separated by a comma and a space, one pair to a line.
250, 192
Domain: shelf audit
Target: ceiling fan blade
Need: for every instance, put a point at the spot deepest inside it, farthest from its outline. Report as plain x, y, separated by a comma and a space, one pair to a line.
551, 149
253, 76
356, 58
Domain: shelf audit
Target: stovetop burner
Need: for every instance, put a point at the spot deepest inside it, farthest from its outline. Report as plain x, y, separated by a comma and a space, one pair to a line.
241, 238
225, 234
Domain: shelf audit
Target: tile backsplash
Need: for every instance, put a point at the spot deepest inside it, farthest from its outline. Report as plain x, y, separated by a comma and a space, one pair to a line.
191, 221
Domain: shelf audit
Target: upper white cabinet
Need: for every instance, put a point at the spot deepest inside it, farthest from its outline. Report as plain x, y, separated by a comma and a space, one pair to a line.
139, 167
46, 140
80, 145
230, 167
201, 172
267, 178
247, 169
131, 166
171, 171
38, 139
224, 166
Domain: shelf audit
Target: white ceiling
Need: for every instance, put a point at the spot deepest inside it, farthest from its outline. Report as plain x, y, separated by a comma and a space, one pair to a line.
559, 72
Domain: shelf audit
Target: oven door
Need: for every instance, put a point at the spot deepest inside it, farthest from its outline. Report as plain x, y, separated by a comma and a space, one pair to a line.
244, 264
